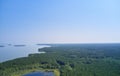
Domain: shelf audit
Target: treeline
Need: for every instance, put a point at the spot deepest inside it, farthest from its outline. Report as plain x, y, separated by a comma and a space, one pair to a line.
71, 60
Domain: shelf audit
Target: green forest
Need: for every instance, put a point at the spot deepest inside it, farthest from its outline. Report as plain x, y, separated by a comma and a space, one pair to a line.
68, 60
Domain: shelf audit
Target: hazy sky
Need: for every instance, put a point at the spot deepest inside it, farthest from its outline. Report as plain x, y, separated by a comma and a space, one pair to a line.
59, 21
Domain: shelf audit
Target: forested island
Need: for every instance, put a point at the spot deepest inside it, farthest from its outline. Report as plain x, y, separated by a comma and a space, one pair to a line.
19, 45
68, 60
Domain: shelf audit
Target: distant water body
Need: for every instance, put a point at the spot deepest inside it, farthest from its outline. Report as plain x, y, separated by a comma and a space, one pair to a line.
40, 74
12, 52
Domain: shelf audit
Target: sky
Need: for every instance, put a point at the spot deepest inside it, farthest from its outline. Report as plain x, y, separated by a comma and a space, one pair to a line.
59, 21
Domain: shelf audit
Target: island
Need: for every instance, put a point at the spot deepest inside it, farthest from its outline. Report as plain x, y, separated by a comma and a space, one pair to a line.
19, 45
2, 46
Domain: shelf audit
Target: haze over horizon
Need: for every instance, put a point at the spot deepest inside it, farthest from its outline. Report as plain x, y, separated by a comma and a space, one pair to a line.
59, 21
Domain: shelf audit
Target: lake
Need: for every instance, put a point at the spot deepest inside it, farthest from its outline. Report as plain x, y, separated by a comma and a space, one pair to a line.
40, 74
12, 52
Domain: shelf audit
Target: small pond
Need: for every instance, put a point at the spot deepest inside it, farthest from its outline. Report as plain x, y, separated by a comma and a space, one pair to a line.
40, 74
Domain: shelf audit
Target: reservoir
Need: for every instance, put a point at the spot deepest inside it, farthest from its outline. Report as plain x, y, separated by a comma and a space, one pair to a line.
12, 52
40, 74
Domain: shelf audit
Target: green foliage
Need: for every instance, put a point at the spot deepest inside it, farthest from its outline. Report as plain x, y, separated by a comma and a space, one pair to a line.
71, 60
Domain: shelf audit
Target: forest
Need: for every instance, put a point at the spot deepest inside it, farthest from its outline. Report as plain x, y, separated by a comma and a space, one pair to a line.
68, 60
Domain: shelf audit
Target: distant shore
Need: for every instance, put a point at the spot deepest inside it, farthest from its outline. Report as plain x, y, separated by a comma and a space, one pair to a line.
19, 45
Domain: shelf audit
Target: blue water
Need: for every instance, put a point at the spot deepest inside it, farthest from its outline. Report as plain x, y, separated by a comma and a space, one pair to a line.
12, 52
40, 74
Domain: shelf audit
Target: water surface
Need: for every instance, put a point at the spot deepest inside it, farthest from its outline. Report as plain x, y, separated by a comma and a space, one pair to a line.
12, 52
40, 74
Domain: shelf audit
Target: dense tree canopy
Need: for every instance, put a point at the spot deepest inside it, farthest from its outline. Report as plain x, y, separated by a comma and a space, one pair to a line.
70, 60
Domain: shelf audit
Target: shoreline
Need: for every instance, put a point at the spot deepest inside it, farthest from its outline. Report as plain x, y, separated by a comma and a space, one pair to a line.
27, 49
27, 71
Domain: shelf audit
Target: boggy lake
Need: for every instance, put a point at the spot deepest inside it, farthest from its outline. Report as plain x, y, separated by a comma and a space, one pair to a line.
12, 52
40, 74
